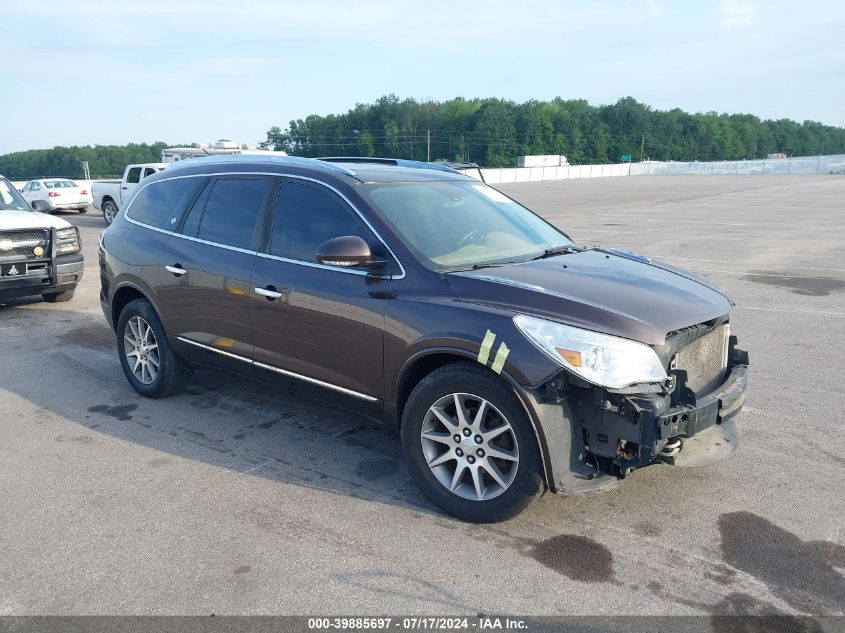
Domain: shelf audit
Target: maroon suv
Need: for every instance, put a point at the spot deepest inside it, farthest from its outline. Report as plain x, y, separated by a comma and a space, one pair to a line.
508, 359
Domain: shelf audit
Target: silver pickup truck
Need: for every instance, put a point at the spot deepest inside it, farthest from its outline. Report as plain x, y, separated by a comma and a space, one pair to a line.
40, 254
109, 195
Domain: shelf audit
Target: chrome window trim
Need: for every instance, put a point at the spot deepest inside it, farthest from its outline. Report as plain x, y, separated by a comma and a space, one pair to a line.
130, 219
318, 265
278, 370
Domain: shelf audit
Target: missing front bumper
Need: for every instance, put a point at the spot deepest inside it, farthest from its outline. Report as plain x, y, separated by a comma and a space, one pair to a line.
715, 408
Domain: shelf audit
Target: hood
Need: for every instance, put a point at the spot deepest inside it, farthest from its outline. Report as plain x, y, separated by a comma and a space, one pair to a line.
13, 220
601, 290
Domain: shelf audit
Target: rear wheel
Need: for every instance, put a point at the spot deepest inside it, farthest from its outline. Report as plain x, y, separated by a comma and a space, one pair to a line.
146, 357
469, 444
83, 210
58, 297
109, 211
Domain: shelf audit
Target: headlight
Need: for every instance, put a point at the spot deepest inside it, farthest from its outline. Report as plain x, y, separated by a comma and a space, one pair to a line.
601, 359
67, 241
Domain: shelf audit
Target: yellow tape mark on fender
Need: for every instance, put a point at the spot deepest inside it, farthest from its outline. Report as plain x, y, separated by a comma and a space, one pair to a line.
501, 357
486, 344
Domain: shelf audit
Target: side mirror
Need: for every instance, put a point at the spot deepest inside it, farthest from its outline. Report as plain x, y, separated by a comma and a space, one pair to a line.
347, 251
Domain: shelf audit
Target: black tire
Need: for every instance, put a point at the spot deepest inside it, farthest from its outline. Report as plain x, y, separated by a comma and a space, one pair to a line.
470, 378
85, 210
58, 297
173, 374
109, 211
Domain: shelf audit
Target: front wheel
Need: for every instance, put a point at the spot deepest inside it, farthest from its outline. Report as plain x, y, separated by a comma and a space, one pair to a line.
469, 444
147, 360
109, 211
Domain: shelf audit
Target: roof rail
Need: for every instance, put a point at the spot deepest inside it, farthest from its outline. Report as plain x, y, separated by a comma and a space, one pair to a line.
218, 159
395, 162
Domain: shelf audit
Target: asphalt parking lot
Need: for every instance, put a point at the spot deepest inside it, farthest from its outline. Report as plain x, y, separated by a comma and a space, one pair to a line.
235, 498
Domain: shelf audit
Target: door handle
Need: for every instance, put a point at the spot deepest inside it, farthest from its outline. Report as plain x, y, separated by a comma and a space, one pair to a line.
176, 270
269, 292
124, 187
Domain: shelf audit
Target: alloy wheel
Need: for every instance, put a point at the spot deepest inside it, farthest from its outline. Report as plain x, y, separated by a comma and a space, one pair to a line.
109, 212
141, 350
470, 446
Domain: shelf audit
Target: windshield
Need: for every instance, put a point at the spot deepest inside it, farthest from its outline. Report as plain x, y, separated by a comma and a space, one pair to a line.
10, 199
454, 225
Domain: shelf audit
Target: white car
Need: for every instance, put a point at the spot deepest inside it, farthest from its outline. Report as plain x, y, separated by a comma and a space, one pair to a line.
56, 194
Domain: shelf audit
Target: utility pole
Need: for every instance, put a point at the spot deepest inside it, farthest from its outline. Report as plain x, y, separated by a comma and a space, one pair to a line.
755, 149
642, 148
428, 140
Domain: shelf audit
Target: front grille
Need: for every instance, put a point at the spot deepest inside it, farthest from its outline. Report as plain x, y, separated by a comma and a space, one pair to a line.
21, 244
705, 360
21, 236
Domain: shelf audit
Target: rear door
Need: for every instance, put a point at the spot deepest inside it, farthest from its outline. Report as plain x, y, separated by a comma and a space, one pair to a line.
35, 192
205, 280
320, 323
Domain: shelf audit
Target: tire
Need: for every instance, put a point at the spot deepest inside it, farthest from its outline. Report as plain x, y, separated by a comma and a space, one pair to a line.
85, 210
41, 207
109, 211
136, 322
58, 297
471, 384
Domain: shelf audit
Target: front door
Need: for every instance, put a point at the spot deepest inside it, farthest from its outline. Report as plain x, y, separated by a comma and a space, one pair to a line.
318, 323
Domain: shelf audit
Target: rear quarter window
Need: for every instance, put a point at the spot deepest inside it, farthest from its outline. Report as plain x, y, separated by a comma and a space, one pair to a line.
162, 203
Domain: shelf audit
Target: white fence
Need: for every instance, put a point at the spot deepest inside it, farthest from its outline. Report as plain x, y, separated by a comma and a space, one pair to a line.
798, 165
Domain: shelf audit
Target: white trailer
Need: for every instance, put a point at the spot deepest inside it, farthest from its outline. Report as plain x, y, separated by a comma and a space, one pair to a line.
223, 146
542, 160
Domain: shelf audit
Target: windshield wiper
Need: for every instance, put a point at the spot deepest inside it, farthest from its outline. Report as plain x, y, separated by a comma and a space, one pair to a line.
563, 249
496, 264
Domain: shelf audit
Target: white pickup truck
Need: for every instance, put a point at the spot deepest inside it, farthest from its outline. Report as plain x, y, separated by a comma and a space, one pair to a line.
109, 195
39, 254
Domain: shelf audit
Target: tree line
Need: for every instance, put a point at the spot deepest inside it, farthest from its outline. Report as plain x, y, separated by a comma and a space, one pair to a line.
104, 161
493, 132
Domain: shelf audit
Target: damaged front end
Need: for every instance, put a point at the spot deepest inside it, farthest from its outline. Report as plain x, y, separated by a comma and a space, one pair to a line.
685, 420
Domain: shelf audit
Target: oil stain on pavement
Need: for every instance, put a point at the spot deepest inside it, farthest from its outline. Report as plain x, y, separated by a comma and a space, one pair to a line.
801, 573
577, 557
91, 336
812, 286
741, 613
119, 412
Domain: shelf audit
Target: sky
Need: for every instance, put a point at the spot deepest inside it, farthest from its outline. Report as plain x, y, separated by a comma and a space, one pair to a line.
85, 72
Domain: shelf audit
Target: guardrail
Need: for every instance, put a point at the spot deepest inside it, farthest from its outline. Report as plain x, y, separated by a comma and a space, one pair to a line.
797, 165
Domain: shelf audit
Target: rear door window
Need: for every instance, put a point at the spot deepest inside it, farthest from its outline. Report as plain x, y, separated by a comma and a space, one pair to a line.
229, 211
162, 203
